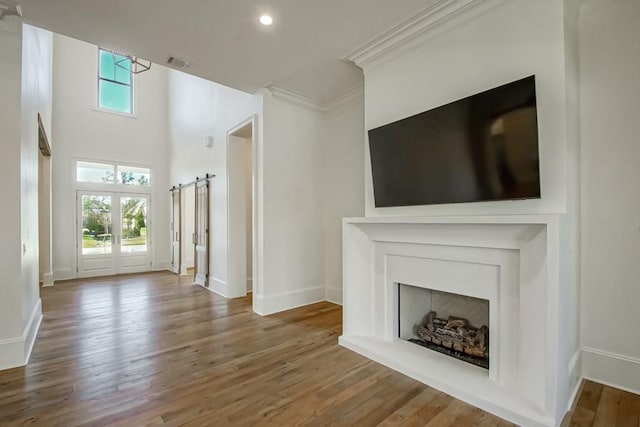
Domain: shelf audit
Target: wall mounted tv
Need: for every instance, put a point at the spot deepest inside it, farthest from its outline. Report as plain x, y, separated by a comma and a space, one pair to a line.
480, 148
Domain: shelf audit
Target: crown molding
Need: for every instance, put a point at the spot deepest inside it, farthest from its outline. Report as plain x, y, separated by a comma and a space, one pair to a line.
288, 95
284, 94
344, 98
437, 15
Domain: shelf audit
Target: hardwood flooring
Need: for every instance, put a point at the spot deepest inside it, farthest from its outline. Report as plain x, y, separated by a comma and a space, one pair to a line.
150, 349
602, 406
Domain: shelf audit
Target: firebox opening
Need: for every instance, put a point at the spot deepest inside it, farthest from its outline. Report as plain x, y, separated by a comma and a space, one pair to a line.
452, 324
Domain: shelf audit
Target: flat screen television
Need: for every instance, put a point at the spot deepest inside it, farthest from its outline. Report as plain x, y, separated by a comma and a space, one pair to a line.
480, 148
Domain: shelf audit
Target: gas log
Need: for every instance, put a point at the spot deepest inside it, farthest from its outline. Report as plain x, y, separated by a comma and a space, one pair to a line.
455, 334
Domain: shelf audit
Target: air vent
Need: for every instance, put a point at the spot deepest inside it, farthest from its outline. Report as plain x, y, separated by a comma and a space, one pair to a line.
177, 62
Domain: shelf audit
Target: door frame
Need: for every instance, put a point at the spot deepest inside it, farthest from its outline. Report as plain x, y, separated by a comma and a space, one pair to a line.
176, 228
116, 224
236, 283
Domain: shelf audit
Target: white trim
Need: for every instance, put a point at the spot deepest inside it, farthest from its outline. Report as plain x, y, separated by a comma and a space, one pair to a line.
161, 265
575, 371
217, 286
15, 352
64, 273
283, 94
236, 262
616, 370
31, 331
115, 113
333, 295
288, 95
574, 394
47, 279
435, 16
343, 99
265, 305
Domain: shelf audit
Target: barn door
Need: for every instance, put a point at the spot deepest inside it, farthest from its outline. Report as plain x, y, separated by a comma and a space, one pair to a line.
176, 223
201, 234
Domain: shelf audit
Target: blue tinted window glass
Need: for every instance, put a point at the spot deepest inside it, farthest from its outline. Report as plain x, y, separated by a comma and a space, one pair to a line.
114, 82
114, 96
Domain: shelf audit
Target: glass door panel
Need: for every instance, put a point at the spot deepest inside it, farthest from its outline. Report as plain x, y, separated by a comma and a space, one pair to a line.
97, 226
134, 224
96, 247
133, 233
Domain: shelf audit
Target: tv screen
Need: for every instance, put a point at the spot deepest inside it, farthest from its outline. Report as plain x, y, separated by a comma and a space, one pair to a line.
480, 148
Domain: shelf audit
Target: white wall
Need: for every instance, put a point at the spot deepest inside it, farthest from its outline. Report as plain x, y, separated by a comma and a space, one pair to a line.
495, 48
199, 108
293, 265
25, 84
81, 131
343, 184
610, 90
37, 48
11, 310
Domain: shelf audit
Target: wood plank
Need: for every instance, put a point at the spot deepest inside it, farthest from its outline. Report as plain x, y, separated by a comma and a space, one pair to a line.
152, 349
628, 410
607, 411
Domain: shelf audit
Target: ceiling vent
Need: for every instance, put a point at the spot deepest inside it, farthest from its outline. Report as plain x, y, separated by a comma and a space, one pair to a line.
178, 63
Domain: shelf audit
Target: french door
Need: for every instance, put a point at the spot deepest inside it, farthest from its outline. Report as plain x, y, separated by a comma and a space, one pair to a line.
113, 233
176, 225
201, 234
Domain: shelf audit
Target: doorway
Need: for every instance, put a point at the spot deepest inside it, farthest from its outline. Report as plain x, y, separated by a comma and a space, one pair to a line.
113, 233
176, 229
241, 216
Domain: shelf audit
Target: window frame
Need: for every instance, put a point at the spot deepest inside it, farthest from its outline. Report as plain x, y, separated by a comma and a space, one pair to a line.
115, 185
131, 87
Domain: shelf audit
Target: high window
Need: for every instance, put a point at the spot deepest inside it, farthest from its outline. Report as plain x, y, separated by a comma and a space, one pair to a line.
115, 82
105, 173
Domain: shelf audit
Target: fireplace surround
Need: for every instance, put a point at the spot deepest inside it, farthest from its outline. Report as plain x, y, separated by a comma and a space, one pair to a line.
509, 261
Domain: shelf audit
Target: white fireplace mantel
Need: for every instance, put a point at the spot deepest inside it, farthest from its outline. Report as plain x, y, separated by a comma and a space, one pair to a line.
513, 261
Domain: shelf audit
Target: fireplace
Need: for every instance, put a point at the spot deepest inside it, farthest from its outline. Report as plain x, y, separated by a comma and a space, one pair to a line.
508, 264
452, 324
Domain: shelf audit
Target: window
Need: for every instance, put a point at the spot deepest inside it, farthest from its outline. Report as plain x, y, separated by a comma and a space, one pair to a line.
104, 173
115, 82
131, 175
94, 172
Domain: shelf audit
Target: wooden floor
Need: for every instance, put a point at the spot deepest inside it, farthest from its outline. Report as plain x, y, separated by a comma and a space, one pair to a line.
148, 350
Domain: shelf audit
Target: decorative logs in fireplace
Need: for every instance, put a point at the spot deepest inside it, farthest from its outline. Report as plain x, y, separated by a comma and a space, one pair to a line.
456, 337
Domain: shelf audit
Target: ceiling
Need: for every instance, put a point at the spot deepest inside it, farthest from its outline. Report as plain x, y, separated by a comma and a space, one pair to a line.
224, 42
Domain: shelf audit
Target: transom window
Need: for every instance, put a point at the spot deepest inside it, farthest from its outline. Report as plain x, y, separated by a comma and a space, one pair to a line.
115, 82
105, 173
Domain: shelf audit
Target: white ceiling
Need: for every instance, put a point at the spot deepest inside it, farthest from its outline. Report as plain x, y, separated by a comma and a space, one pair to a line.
224, 42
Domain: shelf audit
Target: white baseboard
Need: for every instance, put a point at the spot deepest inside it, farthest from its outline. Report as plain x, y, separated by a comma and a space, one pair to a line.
64, 274
184, 271
16, 352
333, 295
31, 331
218, 286
161, 265
265, 305
47, 279
611, 369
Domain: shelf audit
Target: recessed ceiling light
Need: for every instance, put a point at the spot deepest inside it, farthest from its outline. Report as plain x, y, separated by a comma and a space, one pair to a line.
266, 20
